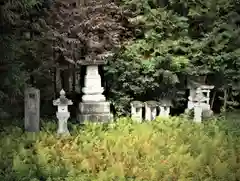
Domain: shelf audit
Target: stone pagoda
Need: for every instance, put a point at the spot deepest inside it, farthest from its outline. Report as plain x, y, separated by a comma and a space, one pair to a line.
94, 106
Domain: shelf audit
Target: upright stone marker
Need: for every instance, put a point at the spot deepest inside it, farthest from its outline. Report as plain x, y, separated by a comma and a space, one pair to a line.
164, 107
190, 99
32, 109
197, 113
150, 110
197, 107
136, 110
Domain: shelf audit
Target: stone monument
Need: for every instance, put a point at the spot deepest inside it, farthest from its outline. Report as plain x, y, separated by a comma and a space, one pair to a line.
62, 114
190, 104
198, 110
204, 91
94, 106
164, 107
32, 109
193, 85
150, 110
137, 110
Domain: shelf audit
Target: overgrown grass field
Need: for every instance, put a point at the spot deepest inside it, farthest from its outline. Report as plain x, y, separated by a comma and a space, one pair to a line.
174, 149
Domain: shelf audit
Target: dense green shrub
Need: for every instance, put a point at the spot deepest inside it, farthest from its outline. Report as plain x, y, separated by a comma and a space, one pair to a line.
165, 149
177, 40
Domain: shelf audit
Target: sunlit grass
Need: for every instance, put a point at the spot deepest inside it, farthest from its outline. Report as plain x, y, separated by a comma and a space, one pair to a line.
165, 149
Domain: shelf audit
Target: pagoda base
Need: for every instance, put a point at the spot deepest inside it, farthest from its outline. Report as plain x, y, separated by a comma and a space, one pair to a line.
94, 112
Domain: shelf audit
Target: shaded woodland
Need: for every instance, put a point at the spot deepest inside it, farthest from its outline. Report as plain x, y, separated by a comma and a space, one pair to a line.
150, 49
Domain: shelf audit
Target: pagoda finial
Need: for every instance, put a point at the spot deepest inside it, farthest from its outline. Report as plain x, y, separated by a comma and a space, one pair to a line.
62, 93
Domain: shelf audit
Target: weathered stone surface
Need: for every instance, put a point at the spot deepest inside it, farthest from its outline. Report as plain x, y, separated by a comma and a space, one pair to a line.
137, 104
92, 86
62, 122
94, 111
197, 113
150, 110
164, 111
62, 114
101, 118
32, 109
165, 102
151, 103
136, 110
95, 108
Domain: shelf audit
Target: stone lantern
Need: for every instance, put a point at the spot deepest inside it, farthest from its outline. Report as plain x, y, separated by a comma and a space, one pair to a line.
62, 114
204, 90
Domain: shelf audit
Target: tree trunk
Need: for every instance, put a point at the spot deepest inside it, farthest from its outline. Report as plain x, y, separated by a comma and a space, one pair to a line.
213, 98
225, 99
55, 82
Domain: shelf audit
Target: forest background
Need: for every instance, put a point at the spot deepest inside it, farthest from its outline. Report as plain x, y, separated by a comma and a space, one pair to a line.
169, 41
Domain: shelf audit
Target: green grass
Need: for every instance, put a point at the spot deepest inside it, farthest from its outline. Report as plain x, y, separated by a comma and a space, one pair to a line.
163, 150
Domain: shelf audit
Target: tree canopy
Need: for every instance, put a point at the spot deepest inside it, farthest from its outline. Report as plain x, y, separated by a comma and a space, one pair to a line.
156, 46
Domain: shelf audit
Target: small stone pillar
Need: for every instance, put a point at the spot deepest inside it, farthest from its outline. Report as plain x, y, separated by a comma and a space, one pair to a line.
94, 106
62, 114
164, 110
197, 113
198, 110
164, 107
32, 109
192, 94
136, 110
190, 103
150, 110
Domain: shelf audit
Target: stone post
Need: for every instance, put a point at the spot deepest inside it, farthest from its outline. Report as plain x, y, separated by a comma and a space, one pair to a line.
136, 110
197, 107
197, 113
62, 114
94, 106
190, 103
164, 107
150, 110
164, 111
208, 96
32, 109
191, 97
